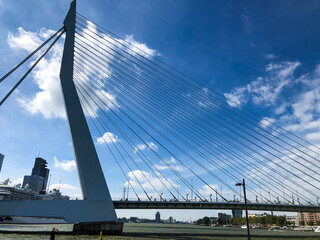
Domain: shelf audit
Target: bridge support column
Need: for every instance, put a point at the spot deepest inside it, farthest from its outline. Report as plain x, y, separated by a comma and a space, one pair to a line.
92, 181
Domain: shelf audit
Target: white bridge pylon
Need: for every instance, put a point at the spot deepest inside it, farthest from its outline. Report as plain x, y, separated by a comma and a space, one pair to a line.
97, 204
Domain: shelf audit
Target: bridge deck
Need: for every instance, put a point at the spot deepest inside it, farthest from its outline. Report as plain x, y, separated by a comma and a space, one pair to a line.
214, 205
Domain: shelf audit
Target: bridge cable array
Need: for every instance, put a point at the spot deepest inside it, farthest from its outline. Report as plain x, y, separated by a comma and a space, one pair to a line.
60, 32
185, 119
139, 105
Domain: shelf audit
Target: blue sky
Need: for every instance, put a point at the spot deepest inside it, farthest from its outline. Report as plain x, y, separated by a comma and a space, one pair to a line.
263, 55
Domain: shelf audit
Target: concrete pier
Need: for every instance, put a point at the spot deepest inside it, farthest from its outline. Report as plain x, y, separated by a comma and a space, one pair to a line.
108, 228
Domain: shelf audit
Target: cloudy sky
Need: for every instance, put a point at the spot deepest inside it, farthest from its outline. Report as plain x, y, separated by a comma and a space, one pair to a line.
262, 55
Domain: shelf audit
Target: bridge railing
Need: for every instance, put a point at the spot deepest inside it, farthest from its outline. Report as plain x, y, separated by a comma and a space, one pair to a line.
199, 200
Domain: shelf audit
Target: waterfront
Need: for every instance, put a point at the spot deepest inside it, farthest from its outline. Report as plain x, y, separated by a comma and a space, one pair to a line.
160, 231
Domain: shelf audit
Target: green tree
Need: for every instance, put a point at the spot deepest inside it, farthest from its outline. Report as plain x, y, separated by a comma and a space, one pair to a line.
280, 220
236, 221
301, 223
310, 223
269, 220
206, 220
263, 220
318, 222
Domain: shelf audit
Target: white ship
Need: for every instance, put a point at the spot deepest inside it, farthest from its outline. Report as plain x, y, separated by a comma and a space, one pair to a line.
9, 193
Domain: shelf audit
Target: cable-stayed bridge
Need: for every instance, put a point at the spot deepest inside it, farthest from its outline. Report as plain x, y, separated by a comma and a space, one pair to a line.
176, 142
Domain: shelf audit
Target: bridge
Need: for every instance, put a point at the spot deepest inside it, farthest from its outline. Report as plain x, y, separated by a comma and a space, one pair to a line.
166, 132
120, 204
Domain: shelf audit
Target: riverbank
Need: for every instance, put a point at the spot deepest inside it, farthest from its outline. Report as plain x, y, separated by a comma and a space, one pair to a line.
145, 231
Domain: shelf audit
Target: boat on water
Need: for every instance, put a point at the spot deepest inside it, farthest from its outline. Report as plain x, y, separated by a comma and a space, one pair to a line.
9, 193
13, 193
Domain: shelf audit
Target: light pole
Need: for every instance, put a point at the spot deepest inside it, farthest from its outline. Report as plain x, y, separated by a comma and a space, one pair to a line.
245, 203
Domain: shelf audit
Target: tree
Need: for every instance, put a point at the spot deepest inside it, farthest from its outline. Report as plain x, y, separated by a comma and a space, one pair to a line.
269, 220
318, 222
301, 223
206, 220
281, 220
199, 221
263, 220
133, 219
310, 223
235, 220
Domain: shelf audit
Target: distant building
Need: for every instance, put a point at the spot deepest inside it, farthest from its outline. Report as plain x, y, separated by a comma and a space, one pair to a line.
40, 169
170, 220
308, 217
38, 179
213, 220
1, 160
294, 219
158, 219
223, 218
236, 213
258, 215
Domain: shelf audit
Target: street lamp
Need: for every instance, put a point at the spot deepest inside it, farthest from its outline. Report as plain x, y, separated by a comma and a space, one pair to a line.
245, 203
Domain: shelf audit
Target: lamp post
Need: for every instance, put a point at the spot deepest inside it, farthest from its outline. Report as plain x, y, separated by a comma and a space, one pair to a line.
245, 203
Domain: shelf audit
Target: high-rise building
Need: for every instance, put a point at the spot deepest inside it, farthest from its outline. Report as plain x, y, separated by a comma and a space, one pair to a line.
158, 219
236, 213
40, 169
223, 218
171, 220
38, 179
308, 217
1, 160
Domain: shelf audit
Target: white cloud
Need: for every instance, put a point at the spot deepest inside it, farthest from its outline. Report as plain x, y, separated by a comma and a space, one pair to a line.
306, 105
172, 163
281, 109
206, 190
140, 147
150, 145
142, 176
175, 167
315, 136
24, 40
237, 96
48, 101
65, 164
108, 138
139, 47
63, 187
269, 56
267, 121
304, 114
17, 181
264, 90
